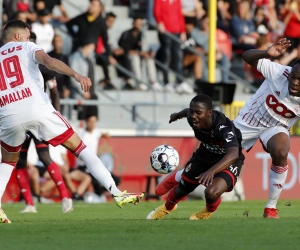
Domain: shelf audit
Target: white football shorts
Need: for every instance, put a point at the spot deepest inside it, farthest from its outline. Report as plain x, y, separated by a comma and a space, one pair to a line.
251, 134
52, 129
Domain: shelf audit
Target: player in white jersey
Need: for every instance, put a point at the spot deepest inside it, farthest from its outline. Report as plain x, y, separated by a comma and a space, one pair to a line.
270, 113
25, 107
268, 116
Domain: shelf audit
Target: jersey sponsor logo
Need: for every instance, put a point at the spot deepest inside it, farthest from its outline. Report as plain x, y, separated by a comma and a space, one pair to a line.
277, 93
278, 107
216, 149
222, 126
10, 50
14, 97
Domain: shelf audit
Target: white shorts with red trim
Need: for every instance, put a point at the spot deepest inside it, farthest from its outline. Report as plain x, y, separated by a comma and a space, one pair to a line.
251, 134
52, 129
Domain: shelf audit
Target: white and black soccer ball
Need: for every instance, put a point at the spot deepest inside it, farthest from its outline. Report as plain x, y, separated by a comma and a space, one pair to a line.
164, 159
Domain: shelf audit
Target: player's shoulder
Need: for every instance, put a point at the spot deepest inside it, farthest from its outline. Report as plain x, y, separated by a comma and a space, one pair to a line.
221, 121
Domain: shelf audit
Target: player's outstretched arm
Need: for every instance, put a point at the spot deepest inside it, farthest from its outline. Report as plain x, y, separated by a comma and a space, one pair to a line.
62, 68
176, 116
253, 55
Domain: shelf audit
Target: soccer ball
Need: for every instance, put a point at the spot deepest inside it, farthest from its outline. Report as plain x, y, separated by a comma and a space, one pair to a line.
164, 159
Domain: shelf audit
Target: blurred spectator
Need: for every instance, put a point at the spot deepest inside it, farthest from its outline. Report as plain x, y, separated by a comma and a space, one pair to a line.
91, 135
104, 59
13, 6
192, 8
190, 58
260, 20
63, 81
223, 15
44, 30
201, 39
291, 18
242, 28
89, 26
132, 44
49, 5
83, 61
169, 19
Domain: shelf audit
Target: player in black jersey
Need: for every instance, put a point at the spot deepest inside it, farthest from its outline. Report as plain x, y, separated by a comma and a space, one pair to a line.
215, 164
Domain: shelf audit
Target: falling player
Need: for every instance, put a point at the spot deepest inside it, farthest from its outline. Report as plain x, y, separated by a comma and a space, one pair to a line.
268, 116
215, 164
25, 107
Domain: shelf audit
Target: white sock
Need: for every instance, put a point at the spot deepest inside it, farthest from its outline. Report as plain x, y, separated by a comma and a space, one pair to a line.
277, 178
178, 175
98, 170
5, 173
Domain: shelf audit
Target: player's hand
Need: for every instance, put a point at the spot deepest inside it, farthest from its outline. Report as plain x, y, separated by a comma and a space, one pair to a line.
206, 178
279, 48
173, 117
84, 81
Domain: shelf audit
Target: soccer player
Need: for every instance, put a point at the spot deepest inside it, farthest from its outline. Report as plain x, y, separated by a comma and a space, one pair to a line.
42, 149
215, 164
268, 116
25, 107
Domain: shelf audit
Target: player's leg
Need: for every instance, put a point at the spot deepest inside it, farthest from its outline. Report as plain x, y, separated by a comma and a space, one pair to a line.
213, 199
56, 130
99, 171
23, 178
224, 181
187, 184
168, 182
11, 141
55, 174
278, 146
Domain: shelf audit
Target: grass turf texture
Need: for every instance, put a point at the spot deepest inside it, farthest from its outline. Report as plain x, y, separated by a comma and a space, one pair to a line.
105, 226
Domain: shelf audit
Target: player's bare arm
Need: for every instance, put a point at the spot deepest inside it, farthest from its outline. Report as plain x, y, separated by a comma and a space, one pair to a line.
62, 68
232, 154
179, 115
253, 55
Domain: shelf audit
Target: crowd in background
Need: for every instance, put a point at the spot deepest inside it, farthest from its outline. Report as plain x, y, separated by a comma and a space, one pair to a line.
241, 25
183, 33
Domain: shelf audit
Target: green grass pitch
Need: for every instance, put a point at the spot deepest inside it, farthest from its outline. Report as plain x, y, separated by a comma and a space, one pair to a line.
235, 225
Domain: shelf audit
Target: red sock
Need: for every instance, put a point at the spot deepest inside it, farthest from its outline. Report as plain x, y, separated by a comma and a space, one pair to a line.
23, 181
172, 200
56, 176
213, 207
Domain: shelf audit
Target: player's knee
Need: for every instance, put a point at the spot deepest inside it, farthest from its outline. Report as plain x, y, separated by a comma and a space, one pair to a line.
279, 154
212, 193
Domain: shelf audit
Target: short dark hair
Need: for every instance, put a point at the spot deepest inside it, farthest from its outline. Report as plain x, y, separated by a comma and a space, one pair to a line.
32, 36
203, 99
13, 24
110, 14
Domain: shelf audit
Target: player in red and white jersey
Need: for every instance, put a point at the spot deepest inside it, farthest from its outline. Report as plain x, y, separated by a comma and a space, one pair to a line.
270, 113
25, 107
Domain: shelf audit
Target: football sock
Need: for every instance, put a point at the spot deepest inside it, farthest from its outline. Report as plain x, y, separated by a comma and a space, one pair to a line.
5, 173
213, 207
178, 175
23, 181
96, 168
277, 179
172, 200
56, 176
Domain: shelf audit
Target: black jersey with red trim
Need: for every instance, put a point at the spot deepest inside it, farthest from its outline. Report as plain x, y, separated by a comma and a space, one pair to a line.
214, 142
